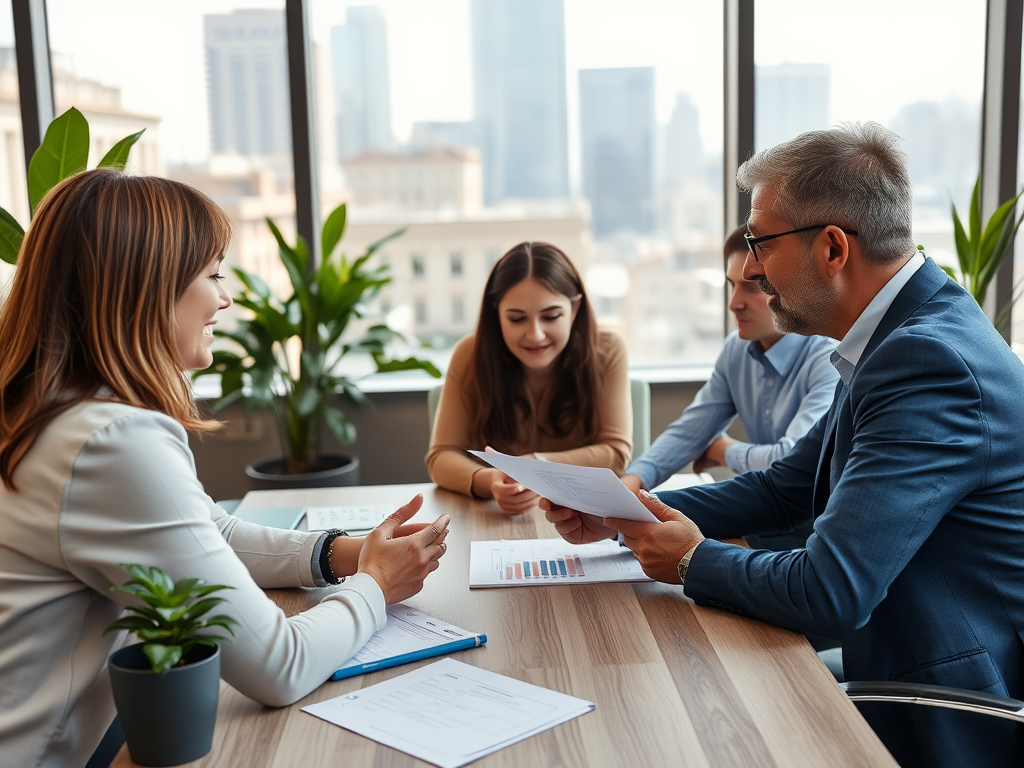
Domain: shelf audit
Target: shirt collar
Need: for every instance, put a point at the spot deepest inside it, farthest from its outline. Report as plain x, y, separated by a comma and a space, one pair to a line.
782, 354
856, 339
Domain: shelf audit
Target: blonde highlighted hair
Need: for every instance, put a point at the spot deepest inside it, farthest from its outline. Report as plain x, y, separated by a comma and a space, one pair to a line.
92, 302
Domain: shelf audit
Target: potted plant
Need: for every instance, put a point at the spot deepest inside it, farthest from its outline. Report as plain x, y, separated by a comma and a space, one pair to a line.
166, 687
63, 152
289, 352
980, 249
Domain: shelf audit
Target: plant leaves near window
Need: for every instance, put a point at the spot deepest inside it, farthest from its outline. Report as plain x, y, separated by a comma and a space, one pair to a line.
981, 249
286, 354
64, 152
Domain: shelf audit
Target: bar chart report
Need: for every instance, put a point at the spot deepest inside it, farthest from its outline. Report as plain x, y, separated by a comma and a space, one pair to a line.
542, 562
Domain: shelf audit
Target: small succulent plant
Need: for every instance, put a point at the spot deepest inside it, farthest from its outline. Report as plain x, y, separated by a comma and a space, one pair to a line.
172, 615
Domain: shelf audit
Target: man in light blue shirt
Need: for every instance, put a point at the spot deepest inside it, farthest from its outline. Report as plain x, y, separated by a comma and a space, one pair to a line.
778, 384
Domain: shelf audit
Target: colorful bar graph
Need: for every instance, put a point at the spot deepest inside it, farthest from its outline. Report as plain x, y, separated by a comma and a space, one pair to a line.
526, 569
519, 570
579, 566
508, 571
571, 566
543, 567
561, 567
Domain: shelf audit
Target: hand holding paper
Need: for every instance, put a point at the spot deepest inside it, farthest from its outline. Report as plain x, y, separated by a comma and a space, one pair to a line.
596, 491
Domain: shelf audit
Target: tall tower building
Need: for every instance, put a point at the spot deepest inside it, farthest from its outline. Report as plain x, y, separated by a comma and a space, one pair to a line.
790, 99
519, 97
684, 150
617, 134
247, 79
359, 64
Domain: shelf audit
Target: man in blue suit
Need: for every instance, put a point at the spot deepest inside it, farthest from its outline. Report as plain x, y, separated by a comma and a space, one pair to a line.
914, 479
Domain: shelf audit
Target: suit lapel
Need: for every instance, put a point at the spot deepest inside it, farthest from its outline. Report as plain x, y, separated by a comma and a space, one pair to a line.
924, 284
828, 446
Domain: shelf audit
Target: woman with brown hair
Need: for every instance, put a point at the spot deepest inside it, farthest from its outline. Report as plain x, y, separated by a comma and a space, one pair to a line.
537, 379
116, 291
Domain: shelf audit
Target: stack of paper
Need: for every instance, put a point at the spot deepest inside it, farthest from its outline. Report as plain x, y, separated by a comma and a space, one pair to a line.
542, 562
449, 713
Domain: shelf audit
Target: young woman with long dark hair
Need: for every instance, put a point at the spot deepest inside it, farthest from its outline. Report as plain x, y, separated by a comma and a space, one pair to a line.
537, 379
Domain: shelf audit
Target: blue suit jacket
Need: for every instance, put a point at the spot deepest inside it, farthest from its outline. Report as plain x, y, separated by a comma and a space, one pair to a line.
915, 482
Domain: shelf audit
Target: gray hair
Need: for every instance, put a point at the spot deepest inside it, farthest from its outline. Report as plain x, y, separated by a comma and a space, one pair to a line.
853, 175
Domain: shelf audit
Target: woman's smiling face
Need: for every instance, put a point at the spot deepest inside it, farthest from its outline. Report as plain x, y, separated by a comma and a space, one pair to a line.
194, 317
536, 323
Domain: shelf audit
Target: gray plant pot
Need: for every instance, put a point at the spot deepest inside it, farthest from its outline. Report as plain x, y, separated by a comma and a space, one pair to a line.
167, 719
269, 474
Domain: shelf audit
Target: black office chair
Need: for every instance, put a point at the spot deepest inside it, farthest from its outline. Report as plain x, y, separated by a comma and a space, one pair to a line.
936, 696
918, 693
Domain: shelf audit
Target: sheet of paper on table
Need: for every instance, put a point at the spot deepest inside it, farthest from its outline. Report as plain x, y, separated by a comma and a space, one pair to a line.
449, 713
409, 635
594, 490
351, 518
543, 562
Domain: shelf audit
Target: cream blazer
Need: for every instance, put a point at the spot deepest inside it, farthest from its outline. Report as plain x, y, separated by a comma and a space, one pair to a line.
105, 484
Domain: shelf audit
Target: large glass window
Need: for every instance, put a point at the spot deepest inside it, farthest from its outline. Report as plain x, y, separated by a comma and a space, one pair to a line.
915, 66
208, 80
478, 124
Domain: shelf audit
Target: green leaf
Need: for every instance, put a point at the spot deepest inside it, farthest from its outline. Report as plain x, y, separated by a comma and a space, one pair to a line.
374, 247
963, 245
408, 364
63, 153
11, 235
332, 232
340, 426
162, 657
118, 154
974, 225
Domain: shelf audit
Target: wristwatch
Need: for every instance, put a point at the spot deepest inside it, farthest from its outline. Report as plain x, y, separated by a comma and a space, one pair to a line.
684, 564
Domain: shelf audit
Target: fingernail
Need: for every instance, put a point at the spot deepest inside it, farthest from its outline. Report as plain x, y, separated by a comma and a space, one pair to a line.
645, 494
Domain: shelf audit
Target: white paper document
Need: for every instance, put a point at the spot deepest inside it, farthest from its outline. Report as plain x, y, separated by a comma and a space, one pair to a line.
543, 562
594, 490
349, 518
409, 635
449, 713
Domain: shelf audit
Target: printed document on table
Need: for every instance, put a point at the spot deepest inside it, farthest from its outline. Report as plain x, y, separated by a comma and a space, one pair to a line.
350, 518
543, 562
594, 490
449, 713
409, 635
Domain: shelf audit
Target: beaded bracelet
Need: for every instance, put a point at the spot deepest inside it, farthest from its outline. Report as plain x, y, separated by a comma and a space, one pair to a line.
325, 556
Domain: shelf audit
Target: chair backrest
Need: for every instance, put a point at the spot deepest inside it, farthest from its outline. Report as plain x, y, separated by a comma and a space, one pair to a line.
639, 395
433, 398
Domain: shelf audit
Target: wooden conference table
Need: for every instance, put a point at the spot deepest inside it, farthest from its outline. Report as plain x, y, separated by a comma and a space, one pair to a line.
674, 684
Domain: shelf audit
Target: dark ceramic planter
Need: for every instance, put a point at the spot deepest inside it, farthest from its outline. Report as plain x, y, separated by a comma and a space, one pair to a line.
339, 470
167, 719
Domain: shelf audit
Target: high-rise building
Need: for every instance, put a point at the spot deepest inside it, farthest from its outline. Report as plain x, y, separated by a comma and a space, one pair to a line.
790, 99
359, 63
684, 150
617, 134
519, 97
247, 76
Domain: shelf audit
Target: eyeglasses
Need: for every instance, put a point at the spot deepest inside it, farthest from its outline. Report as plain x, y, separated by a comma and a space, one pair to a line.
753, 242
